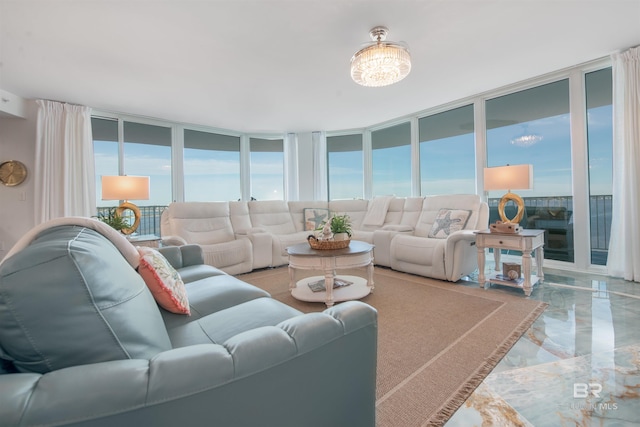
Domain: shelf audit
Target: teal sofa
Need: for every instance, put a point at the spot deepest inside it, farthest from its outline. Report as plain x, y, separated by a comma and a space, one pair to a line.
83, 343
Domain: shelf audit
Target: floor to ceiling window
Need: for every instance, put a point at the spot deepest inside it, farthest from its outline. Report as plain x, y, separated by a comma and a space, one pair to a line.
143, 150
533, 127
447, 152
598, 89
147, 152
391, 160
211, 166
267, 168
105, 152
345, 171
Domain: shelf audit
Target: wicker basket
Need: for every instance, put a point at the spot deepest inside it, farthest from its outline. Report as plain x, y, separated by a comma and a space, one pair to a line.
327, 244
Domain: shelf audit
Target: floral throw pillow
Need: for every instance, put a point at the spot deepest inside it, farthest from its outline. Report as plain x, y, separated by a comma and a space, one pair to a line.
448, 221
163, 281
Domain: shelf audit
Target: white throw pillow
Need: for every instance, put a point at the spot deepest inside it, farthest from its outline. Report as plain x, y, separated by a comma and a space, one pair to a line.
449, 221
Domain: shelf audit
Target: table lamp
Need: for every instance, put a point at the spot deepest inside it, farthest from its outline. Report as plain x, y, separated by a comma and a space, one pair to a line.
125, 188
510, 177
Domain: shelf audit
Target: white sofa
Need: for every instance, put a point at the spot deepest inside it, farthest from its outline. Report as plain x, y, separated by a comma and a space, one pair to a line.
208, 224
238, 237
448, 258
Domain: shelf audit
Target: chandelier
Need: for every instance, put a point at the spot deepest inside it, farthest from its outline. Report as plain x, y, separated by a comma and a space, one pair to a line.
380, 63
526, 139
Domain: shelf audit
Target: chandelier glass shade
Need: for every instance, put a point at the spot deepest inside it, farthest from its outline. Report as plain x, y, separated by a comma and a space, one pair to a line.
526, 140
380, 63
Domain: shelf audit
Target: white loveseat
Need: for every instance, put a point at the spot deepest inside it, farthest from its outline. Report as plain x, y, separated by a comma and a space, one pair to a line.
238, 237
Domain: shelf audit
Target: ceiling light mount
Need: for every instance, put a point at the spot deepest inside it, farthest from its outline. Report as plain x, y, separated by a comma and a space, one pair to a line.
379, 34
380, 63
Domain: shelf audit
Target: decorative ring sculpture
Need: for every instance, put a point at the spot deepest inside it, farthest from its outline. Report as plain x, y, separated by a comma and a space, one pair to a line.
518, 202
136, 215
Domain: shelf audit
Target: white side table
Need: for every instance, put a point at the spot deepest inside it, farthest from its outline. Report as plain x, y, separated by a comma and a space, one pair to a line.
526, 241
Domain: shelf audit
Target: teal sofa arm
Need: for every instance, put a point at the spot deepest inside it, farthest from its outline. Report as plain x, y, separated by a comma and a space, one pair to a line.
183, 256
188, 260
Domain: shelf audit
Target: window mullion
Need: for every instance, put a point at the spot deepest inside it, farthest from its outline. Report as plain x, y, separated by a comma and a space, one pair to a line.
177, 163
580, 161
415, 158
367, 159
120, 146
480, 132
245, 168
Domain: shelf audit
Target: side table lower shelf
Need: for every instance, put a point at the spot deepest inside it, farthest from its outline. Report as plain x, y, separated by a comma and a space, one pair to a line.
359, 288
519, 283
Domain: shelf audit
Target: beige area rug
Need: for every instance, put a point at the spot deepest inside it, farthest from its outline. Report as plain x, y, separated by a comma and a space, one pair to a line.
437, 341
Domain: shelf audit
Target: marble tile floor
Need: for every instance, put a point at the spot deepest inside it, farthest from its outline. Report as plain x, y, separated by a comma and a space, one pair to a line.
578, 364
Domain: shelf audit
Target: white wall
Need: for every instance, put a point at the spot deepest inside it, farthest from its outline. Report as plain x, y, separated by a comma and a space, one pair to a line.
17, 142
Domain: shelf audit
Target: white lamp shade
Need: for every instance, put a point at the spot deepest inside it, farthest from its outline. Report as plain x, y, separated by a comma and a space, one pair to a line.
515, 177
124, 187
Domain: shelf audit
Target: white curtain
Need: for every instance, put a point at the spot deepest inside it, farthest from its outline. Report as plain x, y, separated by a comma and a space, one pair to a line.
624, 246
65, 182
320, 190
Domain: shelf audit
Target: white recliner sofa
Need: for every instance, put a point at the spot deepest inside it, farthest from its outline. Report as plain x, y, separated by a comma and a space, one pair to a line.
238, 237
436, 248
274, 217
208, 224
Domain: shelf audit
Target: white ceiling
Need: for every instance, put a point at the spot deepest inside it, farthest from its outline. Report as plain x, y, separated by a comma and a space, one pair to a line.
274, 66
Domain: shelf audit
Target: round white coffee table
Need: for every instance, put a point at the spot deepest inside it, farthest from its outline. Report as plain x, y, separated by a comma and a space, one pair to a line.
303, 257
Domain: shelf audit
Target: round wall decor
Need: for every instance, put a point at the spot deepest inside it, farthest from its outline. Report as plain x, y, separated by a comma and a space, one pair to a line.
12, 172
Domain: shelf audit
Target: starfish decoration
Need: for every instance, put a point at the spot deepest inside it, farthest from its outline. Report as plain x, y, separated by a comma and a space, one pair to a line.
444, 224
318, 218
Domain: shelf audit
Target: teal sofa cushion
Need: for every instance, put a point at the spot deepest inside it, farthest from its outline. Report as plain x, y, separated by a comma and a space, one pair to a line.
69, 299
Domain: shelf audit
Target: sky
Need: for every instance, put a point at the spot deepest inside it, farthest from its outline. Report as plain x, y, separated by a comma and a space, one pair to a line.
448, 164
208, 175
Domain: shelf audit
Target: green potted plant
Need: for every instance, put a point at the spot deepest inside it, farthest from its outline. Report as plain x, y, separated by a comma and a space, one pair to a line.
112, 219
341, 227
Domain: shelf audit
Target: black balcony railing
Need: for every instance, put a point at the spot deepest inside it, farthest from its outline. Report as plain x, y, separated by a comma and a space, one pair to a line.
555, 214
600, 221
149, 219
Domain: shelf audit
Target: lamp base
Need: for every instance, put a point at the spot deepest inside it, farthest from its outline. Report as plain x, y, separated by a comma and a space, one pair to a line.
518, 202
505, 227
136, 215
